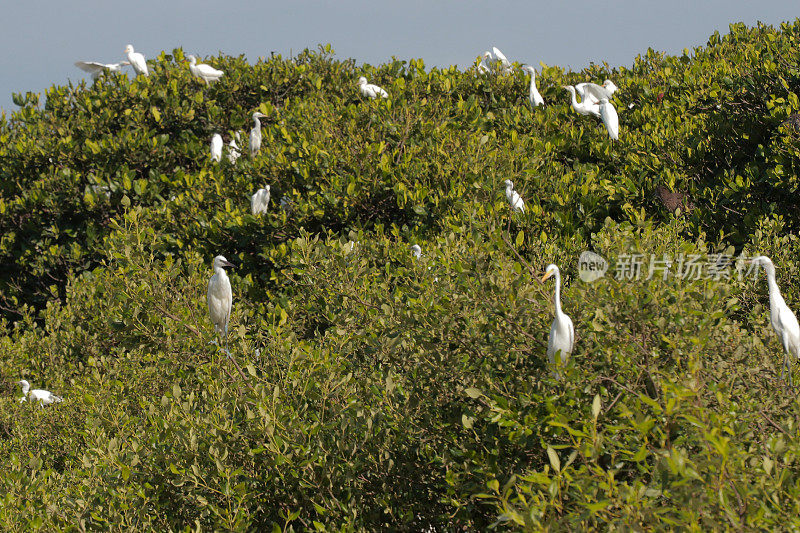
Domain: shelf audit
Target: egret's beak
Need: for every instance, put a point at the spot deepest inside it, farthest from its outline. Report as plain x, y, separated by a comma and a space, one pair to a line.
228, 264
544, 278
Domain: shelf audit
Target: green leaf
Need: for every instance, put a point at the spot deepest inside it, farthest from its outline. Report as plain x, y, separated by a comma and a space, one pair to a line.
555, 462
473, 392
596, 406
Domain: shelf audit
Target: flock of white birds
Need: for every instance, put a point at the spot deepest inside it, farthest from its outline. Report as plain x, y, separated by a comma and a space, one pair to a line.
595, 101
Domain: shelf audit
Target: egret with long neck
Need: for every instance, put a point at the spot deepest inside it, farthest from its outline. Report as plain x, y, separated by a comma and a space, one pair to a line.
783, 320
585, 107
220, 298
535, 97
562, 332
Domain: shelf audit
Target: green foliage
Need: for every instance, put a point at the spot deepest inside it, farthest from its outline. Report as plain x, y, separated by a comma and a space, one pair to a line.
371, 390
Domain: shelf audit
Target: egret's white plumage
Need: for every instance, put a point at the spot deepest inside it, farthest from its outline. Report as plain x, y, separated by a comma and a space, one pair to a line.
255, 133
586, 97
783, 320
416, 251
609, 117
207, 73
216, 147
513, 197
42, 396
233, 148
486, 64
594, 93
259, 202
534, 96
95, 69
137, 61
369, 90
610, 86
585, 107
562, 332
500, 58
220, 298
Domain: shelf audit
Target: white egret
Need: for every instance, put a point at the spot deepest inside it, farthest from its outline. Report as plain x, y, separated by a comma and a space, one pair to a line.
594, 93
609, 117
586, 97
783, 320
505, 64
513, 197
220, 298
562, 332
259, 202
233, 148
95, 69
216, 147
534, 96
42, 396
487, 61
369, 90
136, 60
610, 86
585, 107
255, 133
416, 251
207, 73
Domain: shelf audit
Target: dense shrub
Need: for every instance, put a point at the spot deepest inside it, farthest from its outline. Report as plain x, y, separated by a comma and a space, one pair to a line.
368, 389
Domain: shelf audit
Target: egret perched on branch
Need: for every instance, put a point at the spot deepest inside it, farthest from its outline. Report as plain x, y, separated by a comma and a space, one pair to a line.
585, 107
504, 63
369, 90
207, 73
255, 133
534, 96
220, 298
513, 197
42, 396
95, 69
609, 117
233, 148
216, 147
136, 60
782, 318
562, 332
416, 251
260, 201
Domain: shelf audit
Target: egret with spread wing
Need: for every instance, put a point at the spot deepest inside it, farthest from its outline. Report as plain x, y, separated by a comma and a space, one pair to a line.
95, 69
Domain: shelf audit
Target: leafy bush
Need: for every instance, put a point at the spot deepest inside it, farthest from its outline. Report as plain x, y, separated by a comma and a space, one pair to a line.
369, 389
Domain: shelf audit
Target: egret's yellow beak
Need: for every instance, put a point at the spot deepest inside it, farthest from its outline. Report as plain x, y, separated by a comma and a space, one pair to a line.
547, 275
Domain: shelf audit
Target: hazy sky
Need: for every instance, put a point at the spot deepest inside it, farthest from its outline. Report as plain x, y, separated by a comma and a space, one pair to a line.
42, 39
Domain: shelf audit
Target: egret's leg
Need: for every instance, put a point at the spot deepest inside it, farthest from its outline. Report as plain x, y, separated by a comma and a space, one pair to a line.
227, 349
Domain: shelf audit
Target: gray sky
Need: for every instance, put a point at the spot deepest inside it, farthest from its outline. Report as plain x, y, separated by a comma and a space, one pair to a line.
42, 39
